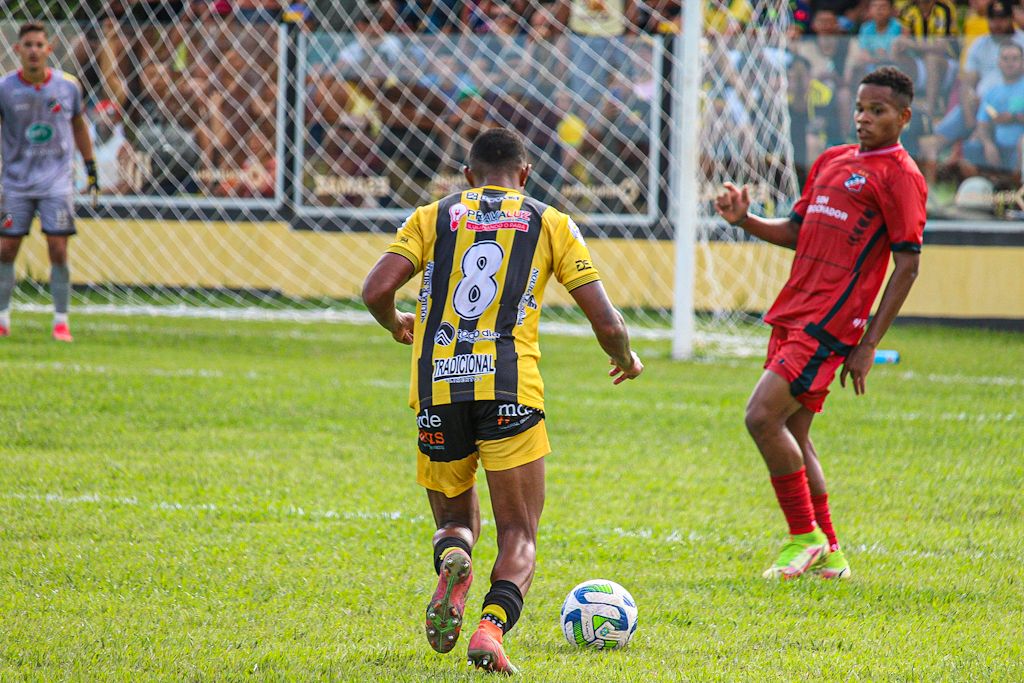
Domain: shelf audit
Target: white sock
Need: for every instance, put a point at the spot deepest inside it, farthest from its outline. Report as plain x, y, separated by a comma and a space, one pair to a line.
5, 318
59, 318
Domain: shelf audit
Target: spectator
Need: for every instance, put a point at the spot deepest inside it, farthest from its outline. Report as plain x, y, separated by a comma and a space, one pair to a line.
728, 18
596, 50
157, 11
257, 175
257, 11
115, 159
973, 26
928, 49
828, 94
982, 71
996, 143
100, 54
170, 148
544, 65
874, 45
849, 13
301, 14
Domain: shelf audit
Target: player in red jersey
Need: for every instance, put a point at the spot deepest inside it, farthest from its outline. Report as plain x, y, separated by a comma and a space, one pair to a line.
860, 202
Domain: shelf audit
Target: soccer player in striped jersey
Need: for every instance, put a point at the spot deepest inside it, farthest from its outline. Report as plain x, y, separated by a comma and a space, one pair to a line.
485, 256
43, 122
860, 203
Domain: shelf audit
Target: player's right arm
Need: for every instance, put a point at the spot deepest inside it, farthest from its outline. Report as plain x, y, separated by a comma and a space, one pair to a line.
733, 204
574, 269
610, 330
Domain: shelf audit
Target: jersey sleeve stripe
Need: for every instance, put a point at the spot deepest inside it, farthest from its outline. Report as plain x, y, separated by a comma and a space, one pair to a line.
912, 247
796, 218
582, 280
407, 254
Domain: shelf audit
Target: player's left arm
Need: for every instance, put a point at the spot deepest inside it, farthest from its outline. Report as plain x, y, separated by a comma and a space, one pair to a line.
903, 208
80, 129
860, 360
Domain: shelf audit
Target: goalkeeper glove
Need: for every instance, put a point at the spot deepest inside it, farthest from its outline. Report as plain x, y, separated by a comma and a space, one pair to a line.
92, 179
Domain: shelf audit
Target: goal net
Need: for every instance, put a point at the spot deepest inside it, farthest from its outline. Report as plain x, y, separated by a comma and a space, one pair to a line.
257, 161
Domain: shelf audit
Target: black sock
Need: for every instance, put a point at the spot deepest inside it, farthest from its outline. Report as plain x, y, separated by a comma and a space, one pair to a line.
506, 596
445, 543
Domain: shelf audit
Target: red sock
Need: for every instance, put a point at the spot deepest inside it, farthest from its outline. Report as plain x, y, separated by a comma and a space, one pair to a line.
795, 500
824, 518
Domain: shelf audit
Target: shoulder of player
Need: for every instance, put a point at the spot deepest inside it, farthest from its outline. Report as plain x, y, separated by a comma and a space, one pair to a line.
839, 152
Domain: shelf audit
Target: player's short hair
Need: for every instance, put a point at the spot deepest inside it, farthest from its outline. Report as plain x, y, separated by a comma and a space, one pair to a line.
497, 149
31, 27
894, 79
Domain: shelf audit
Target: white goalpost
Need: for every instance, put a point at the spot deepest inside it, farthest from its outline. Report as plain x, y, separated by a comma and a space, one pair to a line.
254, 167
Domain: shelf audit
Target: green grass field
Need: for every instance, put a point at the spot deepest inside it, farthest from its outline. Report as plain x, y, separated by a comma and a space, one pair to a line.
208, 500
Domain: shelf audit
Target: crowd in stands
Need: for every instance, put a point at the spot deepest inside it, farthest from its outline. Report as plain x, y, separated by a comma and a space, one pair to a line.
966, 63
189, 90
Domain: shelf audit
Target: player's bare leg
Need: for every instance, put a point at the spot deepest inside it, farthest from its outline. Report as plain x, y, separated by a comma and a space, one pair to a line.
458, 527
517, 498
835, 565
9, 247
769, 410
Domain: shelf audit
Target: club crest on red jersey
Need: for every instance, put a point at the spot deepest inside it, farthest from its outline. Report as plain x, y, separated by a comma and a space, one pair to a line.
855, 183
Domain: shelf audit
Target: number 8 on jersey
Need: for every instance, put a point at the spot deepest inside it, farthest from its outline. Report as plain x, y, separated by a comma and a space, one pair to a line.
478, 287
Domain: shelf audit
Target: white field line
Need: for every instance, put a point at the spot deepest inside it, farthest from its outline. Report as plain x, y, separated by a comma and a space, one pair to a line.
317, 316
286, 510
85, 369
671, 537
997, 380
230, 332
953, 417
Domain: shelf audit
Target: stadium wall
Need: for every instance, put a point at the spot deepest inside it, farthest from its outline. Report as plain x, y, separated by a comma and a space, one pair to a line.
956, 282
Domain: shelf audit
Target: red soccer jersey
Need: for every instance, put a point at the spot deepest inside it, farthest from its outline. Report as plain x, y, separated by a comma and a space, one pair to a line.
856, 207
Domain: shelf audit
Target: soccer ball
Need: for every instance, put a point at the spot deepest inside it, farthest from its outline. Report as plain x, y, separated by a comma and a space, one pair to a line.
599, 614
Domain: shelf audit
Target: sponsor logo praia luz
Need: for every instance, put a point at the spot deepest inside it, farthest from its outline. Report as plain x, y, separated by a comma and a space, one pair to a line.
467, 367
488, 221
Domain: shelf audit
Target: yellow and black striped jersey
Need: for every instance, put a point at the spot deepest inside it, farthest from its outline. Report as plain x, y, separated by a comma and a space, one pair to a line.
486, 255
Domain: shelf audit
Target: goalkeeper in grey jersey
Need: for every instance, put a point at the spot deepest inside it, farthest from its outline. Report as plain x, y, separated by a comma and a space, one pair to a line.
41, 124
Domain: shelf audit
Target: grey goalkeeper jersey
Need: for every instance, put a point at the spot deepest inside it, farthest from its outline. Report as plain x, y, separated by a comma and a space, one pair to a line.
38, 142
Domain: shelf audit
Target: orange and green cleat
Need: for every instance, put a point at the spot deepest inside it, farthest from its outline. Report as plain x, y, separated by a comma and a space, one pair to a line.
803, 552
444, 613
835, 566
486, 651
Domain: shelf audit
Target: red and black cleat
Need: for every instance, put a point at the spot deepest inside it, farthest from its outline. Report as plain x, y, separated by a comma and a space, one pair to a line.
444, 613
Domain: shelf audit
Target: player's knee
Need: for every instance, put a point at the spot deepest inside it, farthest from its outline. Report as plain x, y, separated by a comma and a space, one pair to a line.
758, 420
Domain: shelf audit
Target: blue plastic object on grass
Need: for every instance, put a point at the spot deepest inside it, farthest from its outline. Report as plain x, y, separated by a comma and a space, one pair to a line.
887, 357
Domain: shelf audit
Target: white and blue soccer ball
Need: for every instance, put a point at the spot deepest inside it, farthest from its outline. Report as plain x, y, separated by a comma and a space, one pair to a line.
599, 614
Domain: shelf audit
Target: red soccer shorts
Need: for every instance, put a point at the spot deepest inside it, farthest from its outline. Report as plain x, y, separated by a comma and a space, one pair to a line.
808, 365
